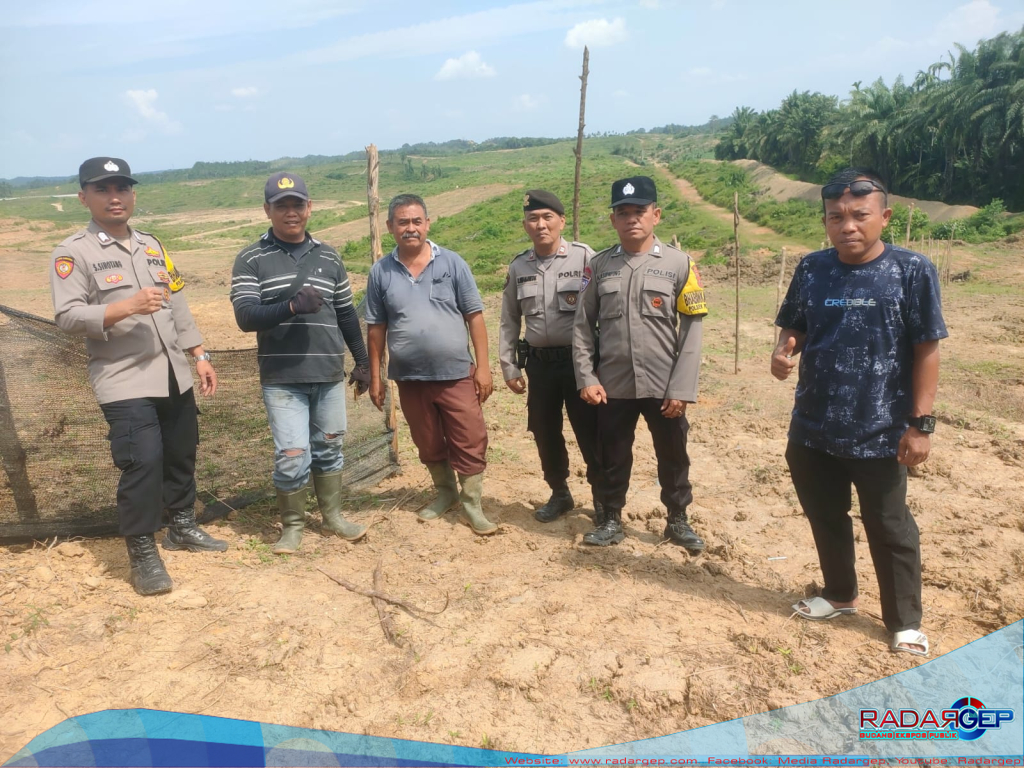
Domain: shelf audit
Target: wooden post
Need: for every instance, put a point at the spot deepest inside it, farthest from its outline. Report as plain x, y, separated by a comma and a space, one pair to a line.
376, 254
579, 146
778, 296
14, 458
910, 218
736, 251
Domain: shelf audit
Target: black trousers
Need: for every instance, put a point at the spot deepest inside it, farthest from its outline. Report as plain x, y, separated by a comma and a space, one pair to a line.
552, 386
616, 427
153, 442
822, 484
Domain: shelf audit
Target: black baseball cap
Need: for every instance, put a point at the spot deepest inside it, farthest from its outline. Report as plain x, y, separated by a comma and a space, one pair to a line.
542, 200
284, 184
100, 168
636, 190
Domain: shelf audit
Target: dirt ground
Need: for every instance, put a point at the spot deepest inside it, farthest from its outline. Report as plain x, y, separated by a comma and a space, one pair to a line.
543, 645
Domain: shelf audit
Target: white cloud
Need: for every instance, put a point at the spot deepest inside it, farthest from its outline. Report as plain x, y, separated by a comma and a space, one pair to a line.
468, 66
245, 92
968, 23
145, 104
527, 103
597, 33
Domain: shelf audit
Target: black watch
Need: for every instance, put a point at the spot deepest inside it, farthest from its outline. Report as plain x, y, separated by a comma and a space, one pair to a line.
925, 424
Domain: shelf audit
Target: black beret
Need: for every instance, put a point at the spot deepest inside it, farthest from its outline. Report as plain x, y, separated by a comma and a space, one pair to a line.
541, 199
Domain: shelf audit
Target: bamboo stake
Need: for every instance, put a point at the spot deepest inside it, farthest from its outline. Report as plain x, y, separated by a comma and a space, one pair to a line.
579, 146
778, 296
910, 218
736, 251
376, 254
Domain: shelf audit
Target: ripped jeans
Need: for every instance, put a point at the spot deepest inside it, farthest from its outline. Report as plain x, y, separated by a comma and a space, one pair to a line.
308, 424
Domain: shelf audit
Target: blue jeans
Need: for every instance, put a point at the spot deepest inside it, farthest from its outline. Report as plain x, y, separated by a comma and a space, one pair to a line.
308, 424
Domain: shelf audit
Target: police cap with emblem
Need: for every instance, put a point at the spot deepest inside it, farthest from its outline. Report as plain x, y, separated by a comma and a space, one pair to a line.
541, 200
284, 184
636, 190
100, 168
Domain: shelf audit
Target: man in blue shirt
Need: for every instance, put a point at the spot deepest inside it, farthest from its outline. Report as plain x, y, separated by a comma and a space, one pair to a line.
420, 299
866, 318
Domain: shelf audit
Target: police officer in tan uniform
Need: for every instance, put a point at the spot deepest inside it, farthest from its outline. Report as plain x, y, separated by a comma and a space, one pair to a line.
116, 286
647, 300
543, 287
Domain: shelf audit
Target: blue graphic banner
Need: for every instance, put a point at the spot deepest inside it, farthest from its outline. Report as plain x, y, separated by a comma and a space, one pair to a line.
965, 708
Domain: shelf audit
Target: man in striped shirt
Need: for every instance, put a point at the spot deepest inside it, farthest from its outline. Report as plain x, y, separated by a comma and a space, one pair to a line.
293, 291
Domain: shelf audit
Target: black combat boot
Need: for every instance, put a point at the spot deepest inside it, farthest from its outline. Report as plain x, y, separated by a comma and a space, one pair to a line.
678, 530
599, 514
148, 575
560, 502
610, 532
183, 533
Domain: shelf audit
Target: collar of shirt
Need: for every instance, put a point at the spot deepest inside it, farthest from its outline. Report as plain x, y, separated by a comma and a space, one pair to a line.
434, 250
655, 250
301, 249
106, 239
563, 251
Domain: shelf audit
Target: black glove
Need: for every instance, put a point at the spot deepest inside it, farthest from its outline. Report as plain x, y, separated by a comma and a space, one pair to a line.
360, 378
307, 301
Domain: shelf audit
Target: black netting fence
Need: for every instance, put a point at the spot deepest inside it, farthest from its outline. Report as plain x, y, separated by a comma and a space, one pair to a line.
58, 478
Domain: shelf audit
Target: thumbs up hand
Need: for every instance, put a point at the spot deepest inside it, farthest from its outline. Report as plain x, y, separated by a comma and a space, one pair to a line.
782, 357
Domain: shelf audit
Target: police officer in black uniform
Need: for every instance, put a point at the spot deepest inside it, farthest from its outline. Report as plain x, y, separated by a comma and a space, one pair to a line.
543, 287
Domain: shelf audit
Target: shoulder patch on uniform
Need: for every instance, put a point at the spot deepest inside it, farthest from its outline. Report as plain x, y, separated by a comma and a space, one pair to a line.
692, 300
63, 266
587, 277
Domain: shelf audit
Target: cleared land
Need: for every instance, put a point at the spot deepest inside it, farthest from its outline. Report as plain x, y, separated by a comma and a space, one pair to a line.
545, 645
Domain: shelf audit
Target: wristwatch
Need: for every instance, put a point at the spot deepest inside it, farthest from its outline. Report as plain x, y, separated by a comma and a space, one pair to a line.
206, 356
925, 424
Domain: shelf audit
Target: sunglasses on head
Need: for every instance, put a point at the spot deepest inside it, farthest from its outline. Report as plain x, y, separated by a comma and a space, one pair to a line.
858, 188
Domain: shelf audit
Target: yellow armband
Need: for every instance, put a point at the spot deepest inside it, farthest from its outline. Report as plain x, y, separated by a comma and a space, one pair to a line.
177, 283
691, 300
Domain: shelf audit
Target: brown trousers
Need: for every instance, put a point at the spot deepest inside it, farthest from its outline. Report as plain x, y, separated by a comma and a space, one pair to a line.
446, 422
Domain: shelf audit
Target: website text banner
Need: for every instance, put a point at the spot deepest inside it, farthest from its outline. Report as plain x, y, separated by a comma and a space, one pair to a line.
962, 709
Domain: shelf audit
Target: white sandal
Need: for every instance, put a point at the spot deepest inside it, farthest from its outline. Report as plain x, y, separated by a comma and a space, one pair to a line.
909, 637
820, 609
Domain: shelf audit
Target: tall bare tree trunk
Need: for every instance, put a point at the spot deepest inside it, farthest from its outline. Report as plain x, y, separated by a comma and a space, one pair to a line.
376, 254
579, 146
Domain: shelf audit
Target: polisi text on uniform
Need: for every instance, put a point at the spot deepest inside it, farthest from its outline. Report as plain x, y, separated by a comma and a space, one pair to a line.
661, 273
156, 262
101, 265
570, 273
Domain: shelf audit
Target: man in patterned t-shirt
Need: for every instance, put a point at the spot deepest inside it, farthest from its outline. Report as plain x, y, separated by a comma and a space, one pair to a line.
866, 319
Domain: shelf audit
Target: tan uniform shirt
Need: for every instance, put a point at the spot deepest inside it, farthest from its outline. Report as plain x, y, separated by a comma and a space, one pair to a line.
129, 359
649, 347
545, 292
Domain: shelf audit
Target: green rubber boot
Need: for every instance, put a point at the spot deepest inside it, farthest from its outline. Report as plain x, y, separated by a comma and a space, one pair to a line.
472, 510
292, 505
447, 491
328, 496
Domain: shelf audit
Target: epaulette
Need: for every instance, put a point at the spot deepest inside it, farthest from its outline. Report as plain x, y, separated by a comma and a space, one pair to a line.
76, 236
521, 253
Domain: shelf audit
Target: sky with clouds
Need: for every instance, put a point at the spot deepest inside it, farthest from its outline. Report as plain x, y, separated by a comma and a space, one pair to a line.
164, 84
